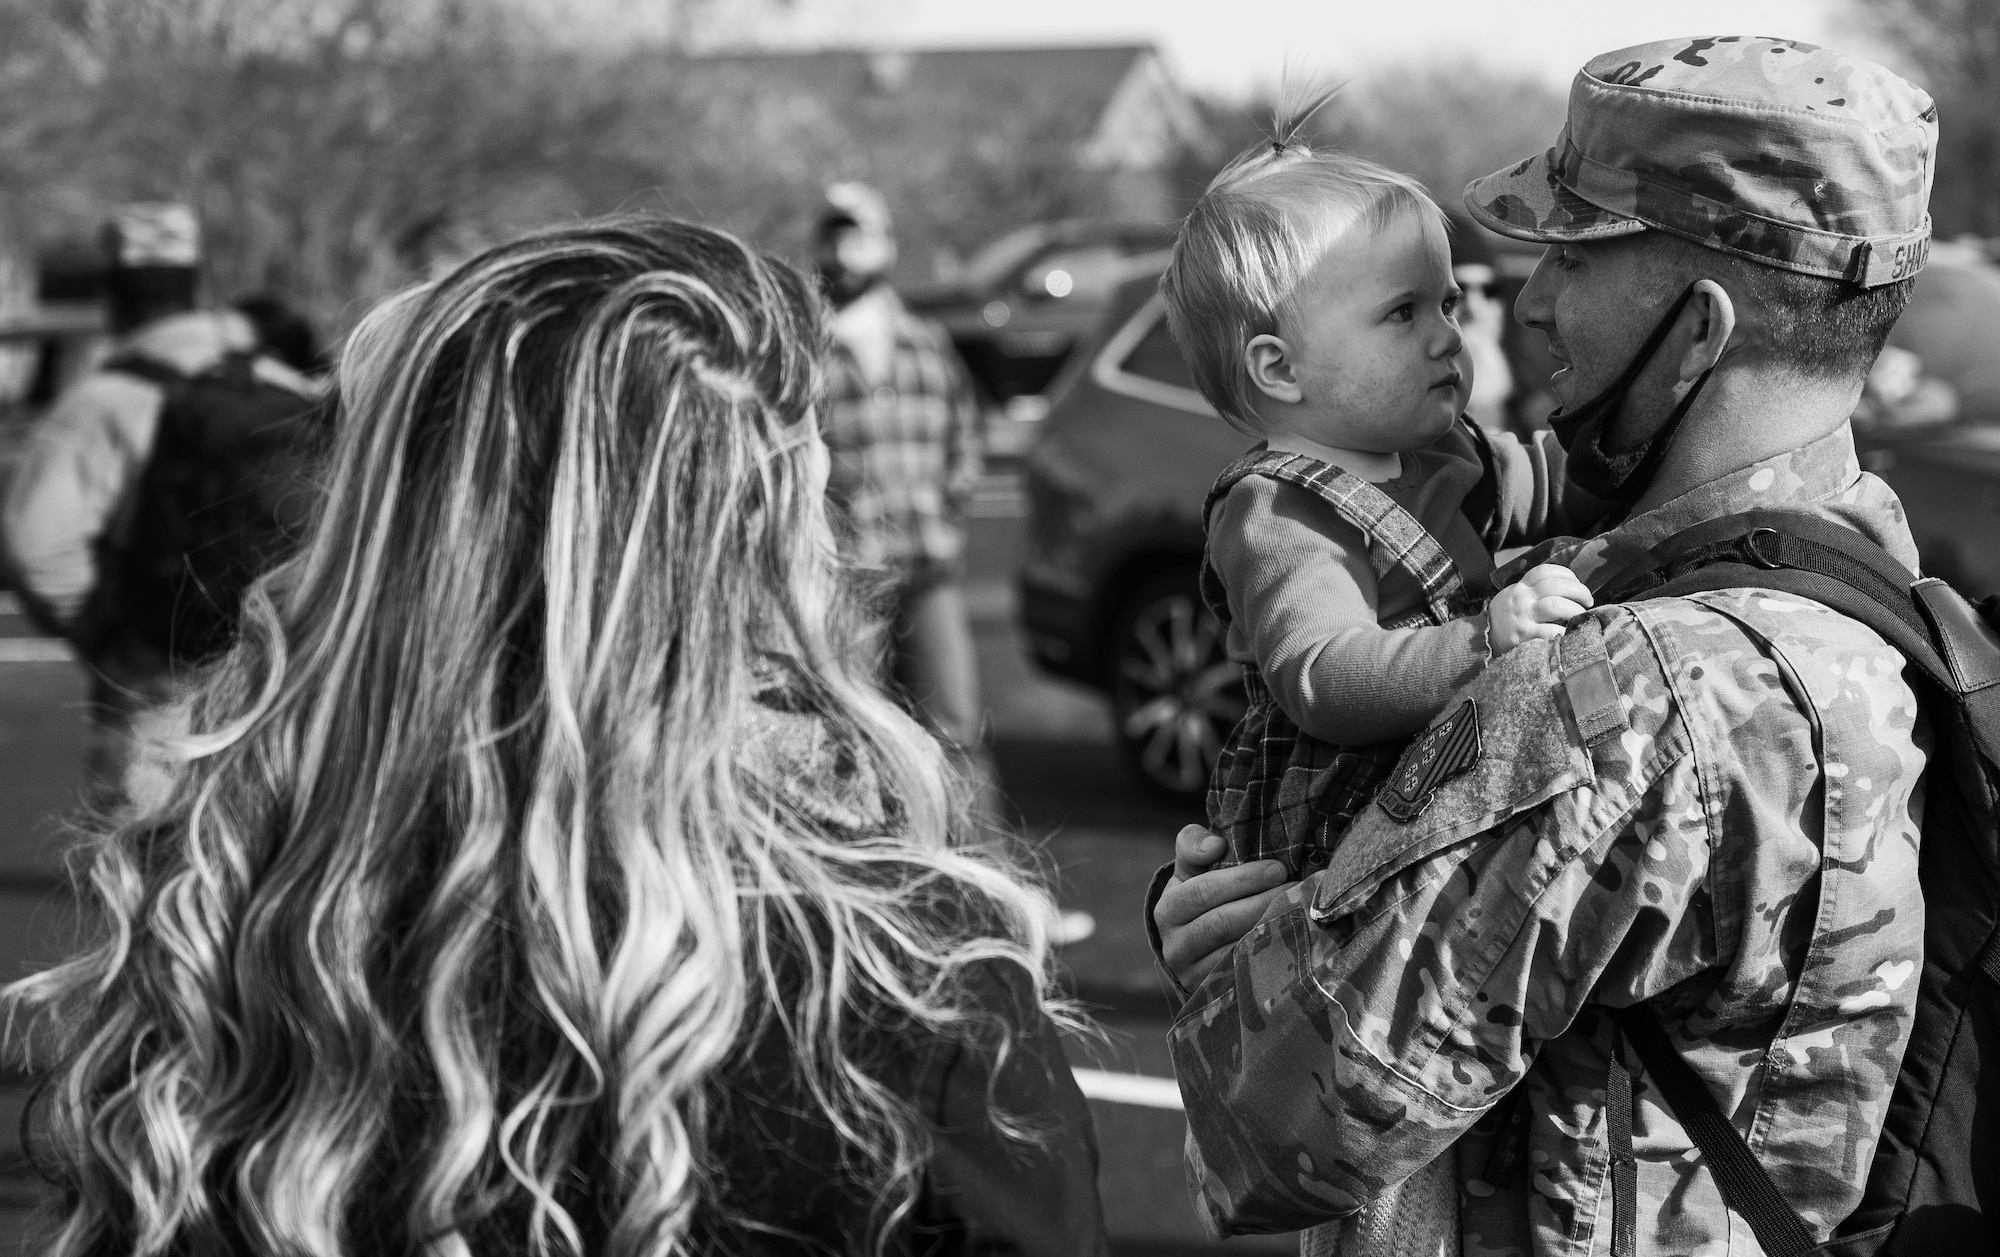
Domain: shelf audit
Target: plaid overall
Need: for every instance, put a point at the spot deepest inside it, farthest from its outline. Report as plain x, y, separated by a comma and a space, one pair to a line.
1278, 792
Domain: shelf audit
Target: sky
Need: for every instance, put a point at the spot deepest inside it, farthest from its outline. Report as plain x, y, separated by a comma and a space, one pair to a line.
1233, 47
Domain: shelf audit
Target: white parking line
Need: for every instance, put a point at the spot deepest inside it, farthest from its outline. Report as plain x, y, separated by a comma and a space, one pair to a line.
1143, 1090
998, 506
35, 650
999, 495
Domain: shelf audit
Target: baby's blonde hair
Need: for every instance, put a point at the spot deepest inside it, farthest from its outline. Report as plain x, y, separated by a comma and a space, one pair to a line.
1257, 231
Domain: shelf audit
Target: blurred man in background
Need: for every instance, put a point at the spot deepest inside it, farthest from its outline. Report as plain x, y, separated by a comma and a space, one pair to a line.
284, 333
80, 536
1483, 311
902, 426
1899, 395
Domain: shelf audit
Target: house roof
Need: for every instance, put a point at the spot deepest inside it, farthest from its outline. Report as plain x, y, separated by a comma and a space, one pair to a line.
1098, 85
1078, 73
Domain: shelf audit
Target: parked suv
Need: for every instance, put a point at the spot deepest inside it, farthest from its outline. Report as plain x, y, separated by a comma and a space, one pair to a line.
1116, 480
1026, 299
1107, 590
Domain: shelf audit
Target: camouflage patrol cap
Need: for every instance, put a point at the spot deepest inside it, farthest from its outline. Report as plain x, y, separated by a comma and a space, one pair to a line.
1784, 153
851, 202
150, 234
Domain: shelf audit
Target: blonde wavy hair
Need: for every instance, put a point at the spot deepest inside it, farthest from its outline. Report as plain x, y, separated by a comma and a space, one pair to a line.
474, 883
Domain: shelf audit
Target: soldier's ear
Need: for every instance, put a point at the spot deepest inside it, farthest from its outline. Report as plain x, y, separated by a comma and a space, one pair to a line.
1710, 321
1269, 362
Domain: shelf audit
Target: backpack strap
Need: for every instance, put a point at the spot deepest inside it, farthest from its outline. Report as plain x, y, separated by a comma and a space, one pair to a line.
238, 366
1624, 1165
117, 533
1745, 1184
1395, 538
147, 368
1936, 631
1795, 552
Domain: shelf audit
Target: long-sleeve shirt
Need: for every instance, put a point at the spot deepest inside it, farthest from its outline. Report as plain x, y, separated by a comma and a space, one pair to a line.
1734, 839
902, 427
90, 448
1306, 608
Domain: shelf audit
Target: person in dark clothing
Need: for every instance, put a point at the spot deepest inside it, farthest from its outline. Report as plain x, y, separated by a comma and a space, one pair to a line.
284, 333
63, 515
544, 869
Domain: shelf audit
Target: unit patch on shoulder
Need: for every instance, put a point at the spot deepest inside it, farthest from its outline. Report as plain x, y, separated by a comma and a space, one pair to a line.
1440, 753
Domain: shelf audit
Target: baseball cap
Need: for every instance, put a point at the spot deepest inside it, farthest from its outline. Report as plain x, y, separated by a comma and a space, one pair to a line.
853, 202
152, 233
1785, 153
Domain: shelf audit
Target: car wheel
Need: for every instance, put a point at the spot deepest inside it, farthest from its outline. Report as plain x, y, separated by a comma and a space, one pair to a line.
1175, 694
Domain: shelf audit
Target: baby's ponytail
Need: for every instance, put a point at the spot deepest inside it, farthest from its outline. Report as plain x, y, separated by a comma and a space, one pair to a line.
1297, 105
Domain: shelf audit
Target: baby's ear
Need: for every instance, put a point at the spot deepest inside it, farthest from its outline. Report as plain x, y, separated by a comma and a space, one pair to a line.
1269, 362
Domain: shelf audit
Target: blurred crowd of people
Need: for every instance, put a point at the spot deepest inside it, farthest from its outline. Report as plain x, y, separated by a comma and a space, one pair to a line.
541, 800
901, 424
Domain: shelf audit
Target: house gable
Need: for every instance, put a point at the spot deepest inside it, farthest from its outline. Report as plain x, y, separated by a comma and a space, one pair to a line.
1119, 102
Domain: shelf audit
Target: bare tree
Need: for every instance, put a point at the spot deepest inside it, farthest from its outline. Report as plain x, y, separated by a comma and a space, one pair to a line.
334, 148
1954, 49
1446, 124
744, 147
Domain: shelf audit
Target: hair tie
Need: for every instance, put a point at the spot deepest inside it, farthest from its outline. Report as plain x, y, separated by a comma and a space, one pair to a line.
1277, 148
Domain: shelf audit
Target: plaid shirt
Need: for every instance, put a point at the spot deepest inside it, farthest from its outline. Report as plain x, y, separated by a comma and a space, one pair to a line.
1278, 792
905, 450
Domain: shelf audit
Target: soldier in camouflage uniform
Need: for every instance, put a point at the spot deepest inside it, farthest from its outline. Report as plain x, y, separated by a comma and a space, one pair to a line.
1708, 803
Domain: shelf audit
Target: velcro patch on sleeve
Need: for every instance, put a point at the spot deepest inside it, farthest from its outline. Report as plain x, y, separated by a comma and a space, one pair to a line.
1440, 753
1592, 692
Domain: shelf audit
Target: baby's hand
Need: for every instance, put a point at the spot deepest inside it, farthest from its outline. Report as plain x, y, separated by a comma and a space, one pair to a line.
1537, 605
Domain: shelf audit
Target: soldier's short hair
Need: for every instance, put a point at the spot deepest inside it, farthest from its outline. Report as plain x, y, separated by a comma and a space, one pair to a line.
1256, 233
1816, 326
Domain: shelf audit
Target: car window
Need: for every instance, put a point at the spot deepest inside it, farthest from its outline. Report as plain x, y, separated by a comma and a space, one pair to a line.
1157, 357
1080, 273
990, 266
1141, 360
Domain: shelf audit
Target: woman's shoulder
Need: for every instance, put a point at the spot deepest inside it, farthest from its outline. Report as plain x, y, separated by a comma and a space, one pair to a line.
1001, 1063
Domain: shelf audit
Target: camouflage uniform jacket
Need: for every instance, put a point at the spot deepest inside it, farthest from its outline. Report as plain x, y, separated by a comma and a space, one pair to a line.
1710, 803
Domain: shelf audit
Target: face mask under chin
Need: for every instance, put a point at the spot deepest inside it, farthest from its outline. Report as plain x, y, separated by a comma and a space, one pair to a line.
844, 287
1622, 478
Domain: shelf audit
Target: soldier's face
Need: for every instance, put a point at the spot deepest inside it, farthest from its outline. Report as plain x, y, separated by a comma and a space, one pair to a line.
1596, 301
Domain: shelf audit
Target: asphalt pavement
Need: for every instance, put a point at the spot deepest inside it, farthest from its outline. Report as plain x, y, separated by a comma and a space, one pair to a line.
1099, 834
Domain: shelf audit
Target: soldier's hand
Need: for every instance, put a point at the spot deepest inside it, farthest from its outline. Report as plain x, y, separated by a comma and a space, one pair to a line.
1203, 910
1538, 605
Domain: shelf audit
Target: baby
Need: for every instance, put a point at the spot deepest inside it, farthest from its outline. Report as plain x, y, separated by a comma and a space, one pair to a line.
1312, 294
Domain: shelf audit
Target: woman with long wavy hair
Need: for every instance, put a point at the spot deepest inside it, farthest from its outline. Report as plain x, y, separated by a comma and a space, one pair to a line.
539, 872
